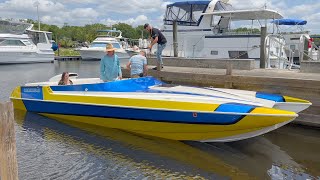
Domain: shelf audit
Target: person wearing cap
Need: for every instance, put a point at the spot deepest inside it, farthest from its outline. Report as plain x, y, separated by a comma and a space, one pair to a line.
157, 37
110, 69
138, 65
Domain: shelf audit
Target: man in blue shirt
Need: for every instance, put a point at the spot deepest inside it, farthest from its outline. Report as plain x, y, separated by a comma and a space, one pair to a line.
110, 69
138, 65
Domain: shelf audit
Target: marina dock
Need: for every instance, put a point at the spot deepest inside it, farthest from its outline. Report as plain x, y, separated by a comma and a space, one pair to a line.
285, 82
67, 58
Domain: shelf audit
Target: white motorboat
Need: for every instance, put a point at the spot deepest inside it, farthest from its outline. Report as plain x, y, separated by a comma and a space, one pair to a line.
97, 49
20, 44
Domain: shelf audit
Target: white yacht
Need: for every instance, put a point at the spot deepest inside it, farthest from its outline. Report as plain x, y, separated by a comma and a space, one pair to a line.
97, 49
204, 30
20, 44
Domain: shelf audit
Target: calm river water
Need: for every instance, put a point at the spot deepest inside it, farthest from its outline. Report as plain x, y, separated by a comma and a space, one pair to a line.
48, 149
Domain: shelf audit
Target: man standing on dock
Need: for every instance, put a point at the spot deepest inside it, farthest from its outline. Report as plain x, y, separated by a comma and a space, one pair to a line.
157, 37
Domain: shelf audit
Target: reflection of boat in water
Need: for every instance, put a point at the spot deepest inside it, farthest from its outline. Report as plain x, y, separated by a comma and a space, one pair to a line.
132, 106
20, 44
274, 161
147, 156
306, 153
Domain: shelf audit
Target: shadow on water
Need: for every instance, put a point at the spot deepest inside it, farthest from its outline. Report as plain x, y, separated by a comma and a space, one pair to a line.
109, 153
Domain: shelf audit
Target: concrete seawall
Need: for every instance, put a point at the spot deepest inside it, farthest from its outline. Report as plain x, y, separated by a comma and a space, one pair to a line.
241, 64
290, 83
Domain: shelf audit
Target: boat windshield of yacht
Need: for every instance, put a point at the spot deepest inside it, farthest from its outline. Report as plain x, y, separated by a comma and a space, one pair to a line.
7, 27
189, 13
40, 36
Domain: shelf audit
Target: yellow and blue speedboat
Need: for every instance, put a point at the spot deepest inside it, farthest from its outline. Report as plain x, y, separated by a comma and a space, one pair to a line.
132, 105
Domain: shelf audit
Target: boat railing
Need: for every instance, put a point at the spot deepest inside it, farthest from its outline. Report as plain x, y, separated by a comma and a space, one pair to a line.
310, 53
278, 59
181, 53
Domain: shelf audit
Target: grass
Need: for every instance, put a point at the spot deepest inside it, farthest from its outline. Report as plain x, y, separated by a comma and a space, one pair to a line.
67, 52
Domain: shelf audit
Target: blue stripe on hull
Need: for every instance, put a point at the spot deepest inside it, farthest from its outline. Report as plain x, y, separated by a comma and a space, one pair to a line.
131, 113
272, 97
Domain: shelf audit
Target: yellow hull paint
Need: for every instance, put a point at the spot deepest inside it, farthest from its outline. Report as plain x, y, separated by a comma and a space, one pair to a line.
297, 100
18, 104
179, 131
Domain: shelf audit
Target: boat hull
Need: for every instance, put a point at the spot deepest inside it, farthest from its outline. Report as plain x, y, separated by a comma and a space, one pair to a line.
176, 124
97, 54
171, 116
177, 131
26, 57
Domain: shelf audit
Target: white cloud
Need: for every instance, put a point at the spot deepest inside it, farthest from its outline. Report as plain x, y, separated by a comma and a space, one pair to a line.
135, 12
139, 20
132, 6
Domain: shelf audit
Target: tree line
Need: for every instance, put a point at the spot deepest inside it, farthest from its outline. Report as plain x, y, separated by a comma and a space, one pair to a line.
68, 35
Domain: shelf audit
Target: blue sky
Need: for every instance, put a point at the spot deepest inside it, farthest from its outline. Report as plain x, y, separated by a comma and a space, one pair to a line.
137, 12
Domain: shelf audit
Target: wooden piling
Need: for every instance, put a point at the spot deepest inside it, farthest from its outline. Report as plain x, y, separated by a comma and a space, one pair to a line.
228, 67
263, 47
8, 160
175, 38
228, 82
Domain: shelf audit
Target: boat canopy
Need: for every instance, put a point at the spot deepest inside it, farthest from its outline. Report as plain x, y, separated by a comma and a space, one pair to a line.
254, 14
289, 22
186, 13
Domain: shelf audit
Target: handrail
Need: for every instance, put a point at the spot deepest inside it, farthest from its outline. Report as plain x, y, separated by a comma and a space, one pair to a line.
276, 38
310, 55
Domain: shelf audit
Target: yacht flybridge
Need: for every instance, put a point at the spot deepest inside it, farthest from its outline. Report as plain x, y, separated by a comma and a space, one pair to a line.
20, 44
204, 30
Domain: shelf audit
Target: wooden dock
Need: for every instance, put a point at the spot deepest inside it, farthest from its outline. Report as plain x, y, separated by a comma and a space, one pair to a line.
290, 83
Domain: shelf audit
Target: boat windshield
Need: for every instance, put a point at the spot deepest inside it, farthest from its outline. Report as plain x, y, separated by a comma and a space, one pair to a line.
102, 44
7, 27
38, 37
185, 13
222, 6
49, 36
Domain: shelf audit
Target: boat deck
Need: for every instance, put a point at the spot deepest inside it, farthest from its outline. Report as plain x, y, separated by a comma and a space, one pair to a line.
291, 83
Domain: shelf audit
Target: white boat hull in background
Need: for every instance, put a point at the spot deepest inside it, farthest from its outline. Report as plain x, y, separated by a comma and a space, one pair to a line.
97, 54
26, 57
